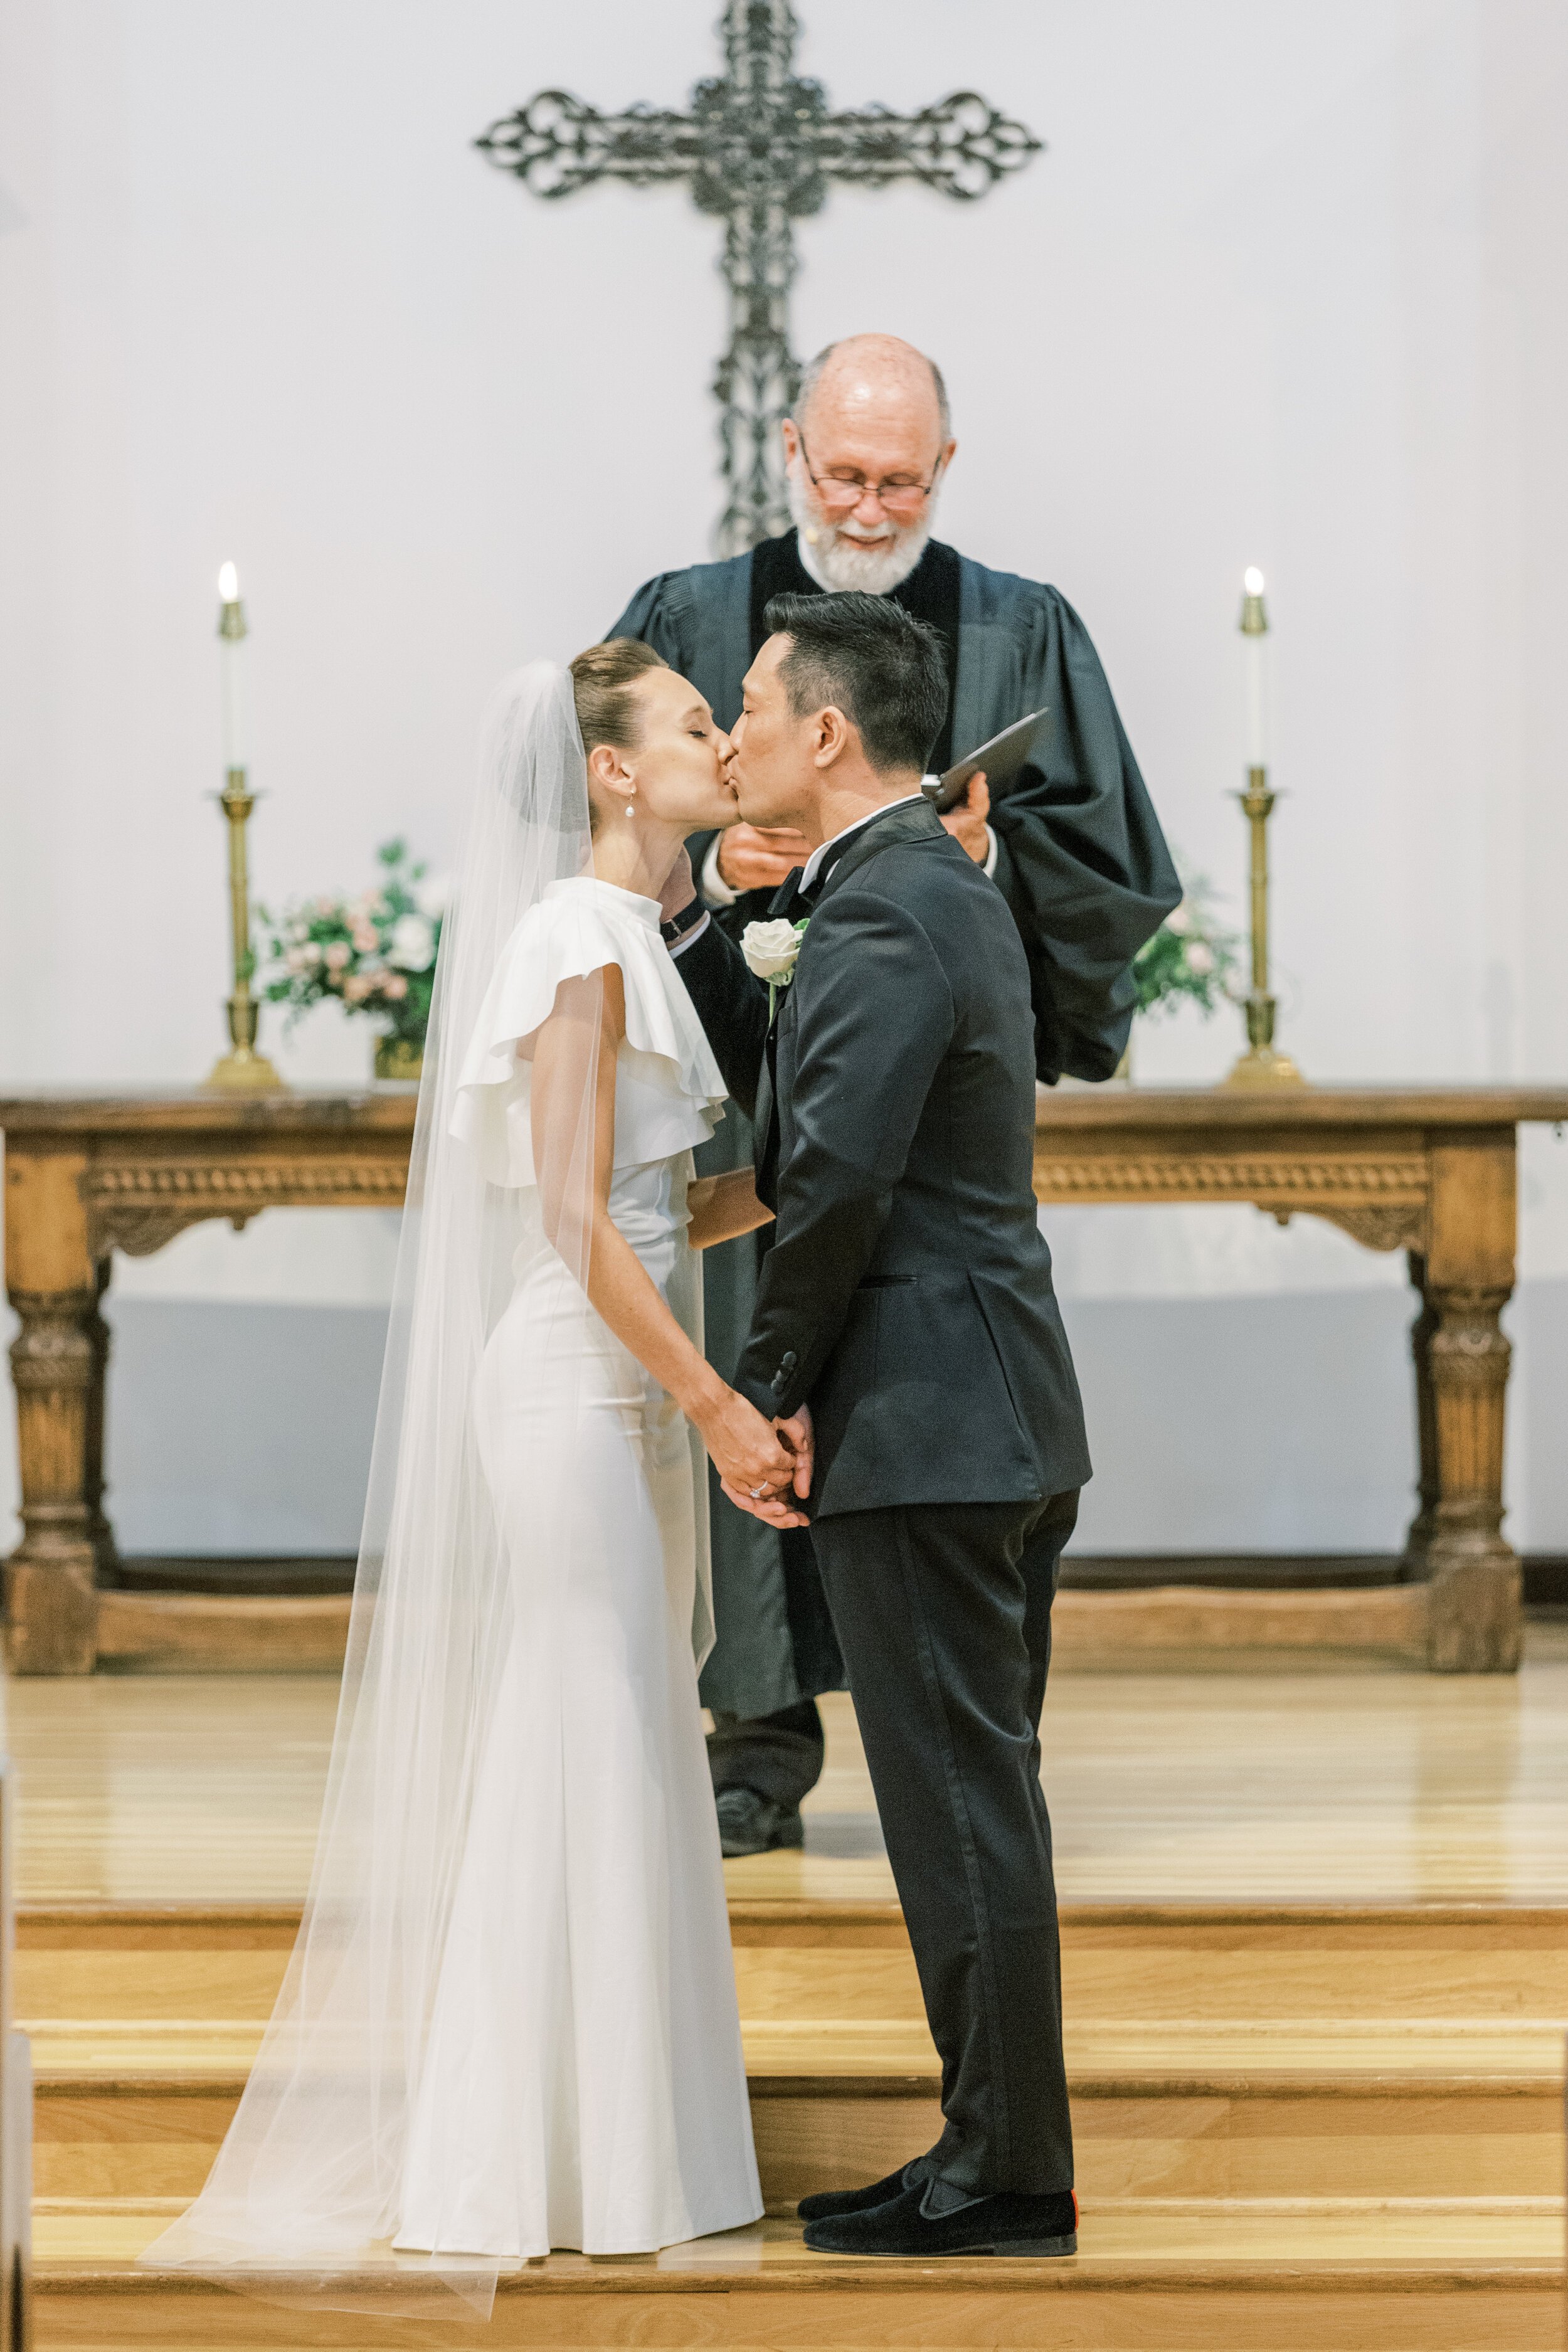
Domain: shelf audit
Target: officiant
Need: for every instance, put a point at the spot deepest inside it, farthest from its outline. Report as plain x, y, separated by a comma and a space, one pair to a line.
1073, 844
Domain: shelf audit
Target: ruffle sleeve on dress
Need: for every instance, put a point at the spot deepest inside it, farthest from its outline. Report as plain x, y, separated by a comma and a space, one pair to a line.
668, 1090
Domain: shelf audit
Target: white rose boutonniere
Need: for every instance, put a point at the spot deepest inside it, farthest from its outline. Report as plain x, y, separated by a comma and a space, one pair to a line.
772, 951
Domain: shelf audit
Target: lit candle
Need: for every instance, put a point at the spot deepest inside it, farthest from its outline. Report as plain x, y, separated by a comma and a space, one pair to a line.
1254, 630
231, 639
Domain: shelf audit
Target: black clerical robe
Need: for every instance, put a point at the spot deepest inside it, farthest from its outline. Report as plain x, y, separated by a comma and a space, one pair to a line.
1080, 859
1083, 865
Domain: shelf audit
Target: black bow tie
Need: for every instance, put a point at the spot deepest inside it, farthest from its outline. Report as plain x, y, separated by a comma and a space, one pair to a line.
803, 895
808, 893
791, 900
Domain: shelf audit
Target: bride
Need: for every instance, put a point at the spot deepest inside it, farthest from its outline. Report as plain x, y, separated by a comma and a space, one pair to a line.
510, 2022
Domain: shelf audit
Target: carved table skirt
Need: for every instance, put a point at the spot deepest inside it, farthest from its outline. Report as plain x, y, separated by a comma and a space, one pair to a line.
85, 1177
1431, 1172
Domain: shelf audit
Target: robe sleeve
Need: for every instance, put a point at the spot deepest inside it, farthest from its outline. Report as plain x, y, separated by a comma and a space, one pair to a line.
653, 615
1081, 859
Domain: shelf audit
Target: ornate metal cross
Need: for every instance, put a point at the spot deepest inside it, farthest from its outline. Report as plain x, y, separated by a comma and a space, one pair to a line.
758, 148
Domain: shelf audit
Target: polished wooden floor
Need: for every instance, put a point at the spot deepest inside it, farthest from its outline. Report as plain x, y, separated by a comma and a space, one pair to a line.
1332, 1785
1315, 1958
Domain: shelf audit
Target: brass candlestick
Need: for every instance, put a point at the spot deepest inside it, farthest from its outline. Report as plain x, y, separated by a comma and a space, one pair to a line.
1260, 1066
242, 1070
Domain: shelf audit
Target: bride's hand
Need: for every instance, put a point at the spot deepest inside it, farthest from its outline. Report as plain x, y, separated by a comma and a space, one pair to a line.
783, 1510
747, 1451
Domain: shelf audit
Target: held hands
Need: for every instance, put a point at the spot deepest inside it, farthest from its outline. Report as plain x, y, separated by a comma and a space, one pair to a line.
966, 821
757, 857
748, 1453
774, 1506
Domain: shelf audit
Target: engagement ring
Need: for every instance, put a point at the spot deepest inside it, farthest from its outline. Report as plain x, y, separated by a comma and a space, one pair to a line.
758, 1491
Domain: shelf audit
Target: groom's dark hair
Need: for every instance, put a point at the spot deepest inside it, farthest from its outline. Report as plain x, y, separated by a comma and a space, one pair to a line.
884, 670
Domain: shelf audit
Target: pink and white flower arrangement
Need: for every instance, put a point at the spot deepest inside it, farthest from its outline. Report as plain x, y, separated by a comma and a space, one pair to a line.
1191, 954
373, 953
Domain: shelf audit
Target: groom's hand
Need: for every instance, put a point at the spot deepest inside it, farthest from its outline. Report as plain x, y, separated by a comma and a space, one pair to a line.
796, 1433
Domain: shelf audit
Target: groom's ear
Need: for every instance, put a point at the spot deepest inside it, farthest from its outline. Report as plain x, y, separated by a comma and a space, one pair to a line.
833, 736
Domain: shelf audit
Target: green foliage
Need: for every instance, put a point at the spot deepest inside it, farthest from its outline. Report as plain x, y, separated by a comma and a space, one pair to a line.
374, 953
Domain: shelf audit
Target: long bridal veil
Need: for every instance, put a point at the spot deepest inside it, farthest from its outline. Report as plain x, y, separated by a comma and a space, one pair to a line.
304, 2197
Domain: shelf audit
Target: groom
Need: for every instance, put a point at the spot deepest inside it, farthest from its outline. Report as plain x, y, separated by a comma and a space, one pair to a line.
907, 1342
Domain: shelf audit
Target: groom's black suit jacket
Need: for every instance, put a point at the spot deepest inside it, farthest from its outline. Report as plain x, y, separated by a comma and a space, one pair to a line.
907, 1295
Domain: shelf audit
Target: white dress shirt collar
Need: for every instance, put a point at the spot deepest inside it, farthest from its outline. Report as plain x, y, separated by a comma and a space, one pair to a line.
813, 867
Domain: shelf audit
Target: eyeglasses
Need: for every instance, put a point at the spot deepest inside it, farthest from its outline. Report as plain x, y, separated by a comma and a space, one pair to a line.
842, 493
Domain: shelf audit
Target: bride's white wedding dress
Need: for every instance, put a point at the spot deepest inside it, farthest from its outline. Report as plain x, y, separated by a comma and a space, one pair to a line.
509, 2022
584, 2084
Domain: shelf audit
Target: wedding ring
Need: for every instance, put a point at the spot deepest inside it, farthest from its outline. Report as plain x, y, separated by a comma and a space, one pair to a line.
757, 1492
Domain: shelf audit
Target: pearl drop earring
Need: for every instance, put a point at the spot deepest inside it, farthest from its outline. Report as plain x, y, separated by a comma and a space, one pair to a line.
632, 796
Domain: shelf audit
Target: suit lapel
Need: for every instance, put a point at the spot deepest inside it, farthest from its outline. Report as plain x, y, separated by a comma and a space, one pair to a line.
786, 907
783, 907
912, 821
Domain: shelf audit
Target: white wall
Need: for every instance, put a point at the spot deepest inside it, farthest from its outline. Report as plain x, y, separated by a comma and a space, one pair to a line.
1285, 289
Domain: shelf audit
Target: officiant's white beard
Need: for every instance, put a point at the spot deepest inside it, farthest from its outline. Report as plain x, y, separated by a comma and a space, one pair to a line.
828, 553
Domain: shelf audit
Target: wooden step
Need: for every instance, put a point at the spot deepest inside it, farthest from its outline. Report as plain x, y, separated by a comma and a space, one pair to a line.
151, 1960
1424, 2110
1203, 2112
1465, 2277
850, 1959
1299, 2128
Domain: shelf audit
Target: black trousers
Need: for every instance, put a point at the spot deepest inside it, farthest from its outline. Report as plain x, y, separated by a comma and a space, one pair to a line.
943, 1611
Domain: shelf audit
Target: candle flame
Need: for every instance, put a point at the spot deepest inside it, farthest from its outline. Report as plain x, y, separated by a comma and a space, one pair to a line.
228, 585
1251, 579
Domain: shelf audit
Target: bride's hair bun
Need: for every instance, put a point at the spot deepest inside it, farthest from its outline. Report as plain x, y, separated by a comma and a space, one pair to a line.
602, 680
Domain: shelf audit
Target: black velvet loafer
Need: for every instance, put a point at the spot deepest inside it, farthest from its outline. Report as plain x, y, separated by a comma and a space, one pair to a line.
749, 1823
831, 2203
1004, 2225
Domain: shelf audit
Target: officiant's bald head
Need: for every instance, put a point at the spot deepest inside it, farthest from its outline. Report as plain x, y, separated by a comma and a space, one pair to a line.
865, 451
875, 377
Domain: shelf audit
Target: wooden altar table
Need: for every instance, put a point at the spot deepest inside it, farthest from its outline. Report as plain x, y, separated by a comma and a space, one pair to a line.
1428, 1171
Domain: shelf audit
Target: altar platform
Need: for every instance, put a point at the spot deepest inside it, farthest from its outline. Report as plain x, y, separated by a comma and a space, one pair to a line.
1315, 1936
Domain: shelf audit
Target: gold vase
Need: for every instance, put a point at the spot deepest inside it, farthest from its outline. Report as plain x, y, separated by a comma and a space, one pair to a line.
399, 1058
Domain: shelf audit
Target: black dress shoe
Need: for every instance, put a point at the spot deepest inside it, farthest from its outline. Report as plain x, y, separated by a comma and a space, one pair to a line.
1007, 2224
751, 1824
831, 2203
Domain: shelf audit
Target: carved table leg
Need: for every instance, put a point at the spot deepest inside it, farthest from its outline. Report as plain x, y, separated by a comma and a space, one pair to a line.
106, 1555
1421, 1336
50, 1602
1456, 1543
